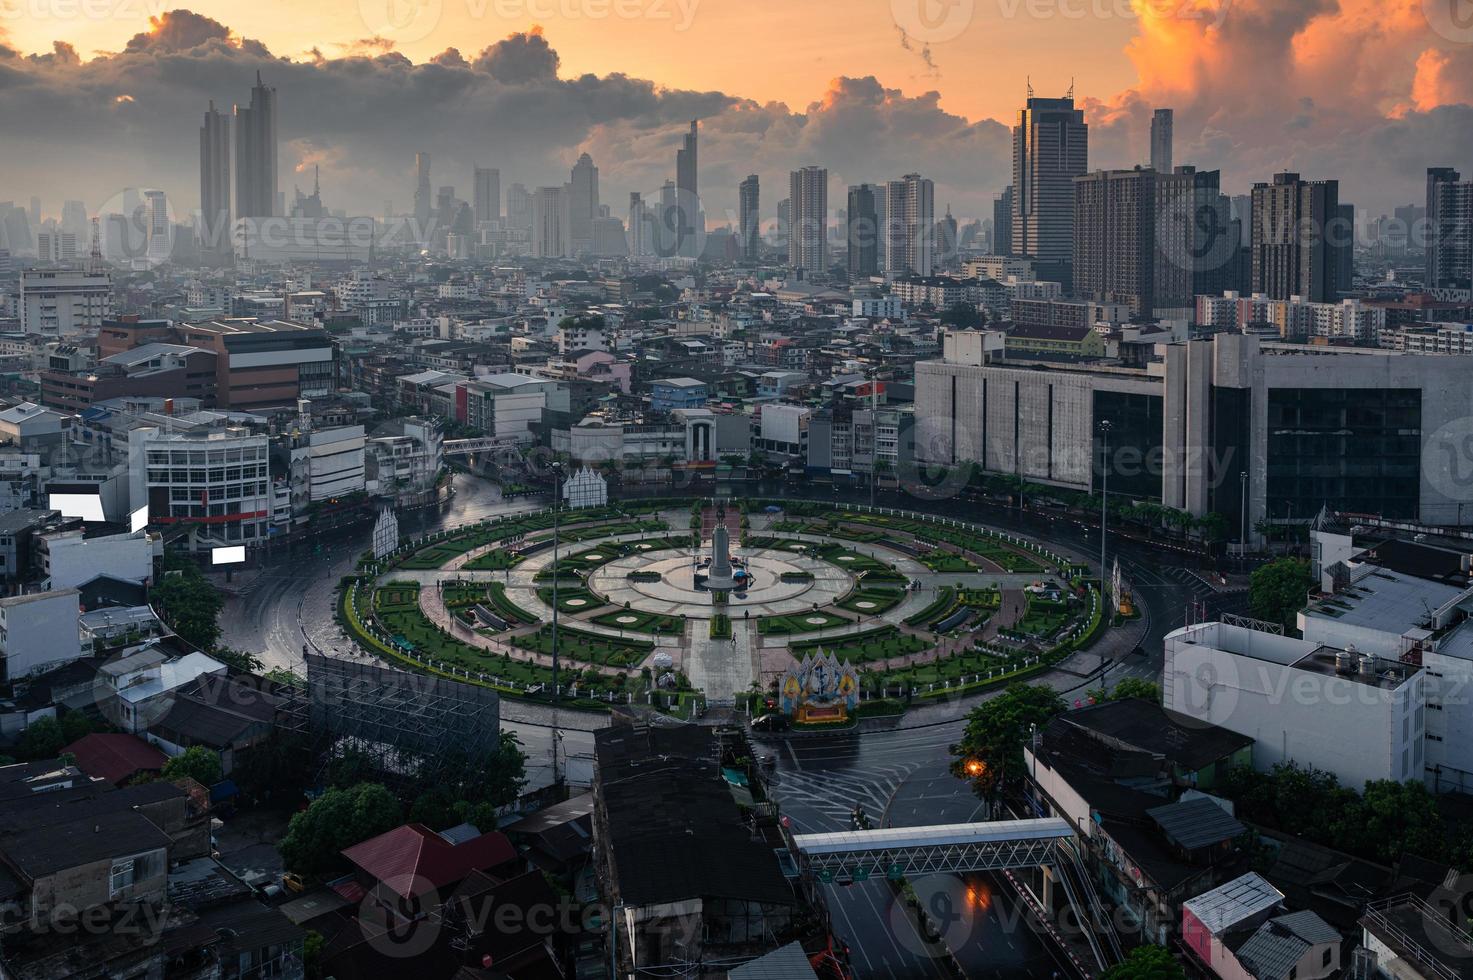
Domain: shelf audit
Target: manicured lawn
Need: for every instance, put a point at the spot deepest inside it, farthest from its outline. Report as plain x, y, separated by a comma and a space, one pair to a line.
871, 602
945, 561
641, 622
587, 647
507, 609
809, 622
570, 599
936, 609
498, 560
884, 643
721, 627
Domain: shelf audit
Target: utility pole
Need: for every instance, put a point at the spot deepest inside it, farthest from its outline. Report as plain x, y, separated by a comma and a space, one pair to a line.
874, 432
1243, 532
1105, 427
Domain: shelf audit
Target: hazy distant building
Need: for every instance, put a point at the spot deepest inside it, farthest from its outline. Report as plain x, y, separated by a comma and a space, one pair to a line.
862, 232
582, 204
519, 207
424, 202
749, 200
256, 194
551, 231
1161, 125
487, 194
1449, 223
1292, 255
689, 216
1002, 223
910, 219
609, 239
640, 232
1050, 149
214, 186
1196, 240
808, 194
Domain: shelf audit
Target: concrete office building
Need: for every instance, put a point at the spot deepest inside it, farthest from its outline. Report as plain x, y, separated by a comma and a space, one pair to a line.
265, 363
216, 482
1161, 138
583, 205
551, 223
487, 194
1002, 223
1311, 427
64, 302
1050, 149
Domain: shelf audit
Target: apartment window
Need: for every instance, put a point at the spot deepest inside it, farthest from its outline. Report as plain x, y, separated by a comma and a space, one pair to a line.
1327, 957
122, 876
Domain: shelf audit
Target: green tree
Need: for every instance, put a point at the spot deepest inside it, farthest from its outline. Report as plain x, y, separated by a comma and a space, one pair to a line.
1147, 963
42, 739
1129, 687
963, 316
336, 820
75, 725
189, 603
1277, 591
196, 762
237, 660
990, 753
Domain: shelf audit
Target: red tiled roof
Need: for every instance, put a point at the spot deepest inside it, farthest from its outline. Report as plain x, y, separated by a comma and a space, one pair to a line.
115, 756
412, 859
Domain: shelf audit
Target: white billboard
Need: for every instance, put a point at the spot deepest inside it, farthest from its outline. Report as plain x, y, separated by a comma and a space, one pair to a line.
231, 554
139, 519
87, 506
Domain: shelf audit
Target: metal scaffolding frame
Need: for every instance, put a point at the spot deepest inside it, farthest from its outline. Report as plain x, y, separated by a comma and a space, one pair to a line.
411, 726
896, 852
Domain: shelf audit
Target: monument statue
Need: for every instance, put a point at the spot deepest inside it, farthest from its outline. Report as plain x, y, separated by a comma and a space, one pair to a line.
720, 556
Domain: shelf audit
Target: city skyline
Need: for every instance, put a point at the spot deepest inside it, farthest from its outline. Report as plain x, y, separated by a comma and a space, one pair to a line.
633, 127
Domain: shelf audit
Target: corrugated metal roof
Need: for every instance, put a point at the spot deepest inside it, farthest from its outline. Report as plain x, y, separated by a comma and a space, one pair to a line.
1233, 902
941, 835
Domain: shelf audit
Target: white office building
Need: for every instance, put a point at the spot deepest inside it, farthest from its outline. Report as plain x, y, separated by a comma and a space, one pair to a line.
1340, 710
214, 482
63, 302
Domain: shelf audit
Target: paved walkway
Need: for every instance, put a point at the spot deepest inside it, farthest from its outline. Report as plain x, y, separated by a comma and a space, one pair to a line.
722, 668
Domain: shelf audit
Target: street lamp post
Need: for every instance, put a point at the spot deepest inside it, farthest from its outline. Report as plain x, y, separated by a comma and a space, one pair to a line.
1243, 529
1105, 427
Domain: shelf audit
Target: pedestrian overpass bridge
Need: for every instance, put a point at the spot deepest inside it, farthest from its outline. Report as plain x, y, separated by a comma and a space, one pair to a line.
999, 845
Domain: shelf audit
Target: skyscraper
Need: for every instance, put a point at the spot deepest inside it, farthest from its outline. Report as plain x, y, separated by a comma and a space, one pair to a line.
862, 232
582, 204
1114, 237
255, 154
749, 195
1292, 255
1002, 223
550, 223
910, 226
690, 221
1161, 125
424, 199
1050, 149
808, 194
487, 194
214, 186
1449, 228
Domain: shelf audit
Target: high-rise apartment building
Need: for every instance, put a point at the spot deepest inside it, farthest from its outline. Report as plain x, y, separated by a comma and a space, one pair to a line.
1114, 237
862, 232
749, 201
1292, 254
1161, 125
213, 227
1196, 240
910, 226
583, 205
808, 194
1449, 224
487, 194
1050, 149
641, 234
1002, 223
255, 154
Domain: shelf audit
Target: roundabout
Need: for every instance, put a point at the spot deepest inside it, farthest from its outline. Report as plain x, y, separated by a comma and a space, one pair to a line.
675, 604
